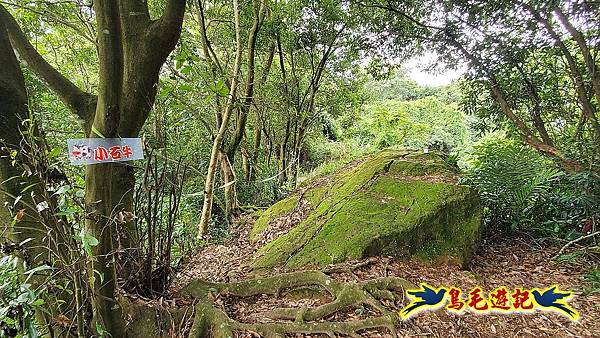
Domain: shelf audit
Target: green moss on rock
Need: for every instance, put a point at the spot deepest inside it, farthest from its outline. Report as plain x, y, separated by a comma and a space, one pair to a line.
396, 202
276, 210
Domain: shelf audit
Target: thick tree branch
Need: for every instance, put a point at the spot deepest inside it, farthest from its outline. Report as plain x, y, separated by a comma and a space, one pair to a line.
146, 46
572, 63
585, 51
78, 101
164, 33
390, 8
169, 25
524, 130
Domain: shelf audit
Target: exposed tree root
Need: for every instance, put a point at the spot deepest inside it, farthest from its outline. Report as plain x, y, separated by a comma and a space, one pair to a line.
211, 321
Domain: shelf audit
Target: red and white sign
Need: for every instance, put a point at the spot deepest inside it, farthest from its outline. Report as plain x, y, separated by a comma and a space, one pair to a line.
102, 150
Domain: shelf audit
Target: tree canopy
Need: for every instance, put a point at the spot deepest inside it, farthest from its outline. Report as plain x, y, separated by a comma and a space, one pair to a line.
240, 104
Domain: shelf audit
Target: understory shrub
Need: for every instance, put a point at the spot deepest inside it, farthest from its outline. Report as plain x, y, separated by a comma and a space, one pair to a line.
523, 190
19, 300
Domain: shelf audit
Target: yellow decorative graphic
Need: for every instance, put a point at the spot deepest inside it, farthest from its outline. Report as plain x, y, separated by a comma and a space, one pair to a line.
426, 297
552, 299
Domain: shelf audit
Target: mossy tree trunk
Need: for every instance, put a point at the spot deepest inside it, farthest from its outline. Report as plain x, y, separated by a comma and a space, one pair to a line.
143, 46
131, 50
20, 220
13, 110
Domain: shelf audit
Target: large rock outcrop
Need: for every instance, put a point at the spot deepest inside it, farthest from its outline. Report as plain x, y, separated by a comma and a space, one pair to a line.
396, 202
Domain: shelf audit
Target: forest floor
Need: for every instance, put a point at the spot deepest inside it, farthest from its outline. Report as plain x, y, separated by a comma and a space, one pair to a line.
510, 262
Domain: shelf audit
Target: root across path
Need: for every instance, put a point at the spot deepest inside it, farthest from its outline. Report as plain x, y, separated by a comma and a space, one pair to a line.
212, 321
361, 298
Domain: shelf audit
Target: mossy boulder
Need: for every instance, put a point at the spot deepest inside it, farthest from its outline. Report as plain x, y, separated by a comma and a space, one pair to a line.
396, 202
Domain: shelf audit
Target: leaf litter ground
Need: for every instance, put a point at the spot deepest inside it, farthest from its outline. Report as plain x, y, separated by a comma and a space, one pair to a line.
510, 262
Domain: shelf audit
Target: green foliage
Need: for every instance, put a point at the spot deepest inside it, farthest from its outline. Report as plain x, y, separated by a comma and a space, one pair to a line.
87, 242
426, 122
592, 277
510, 178
571, 207
398, 87
263, 191
397, 113
19, 300
320, 150
523, 190
325, 156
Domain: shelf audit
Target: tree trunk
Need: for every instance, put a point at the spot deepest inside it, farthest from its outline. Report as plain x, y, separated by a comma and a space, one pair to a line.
131, 51
209, 185
297, 152
282, 164
246, 164
228, 158
256, 146
46, 235
231, 201
249, 90
13, 110
99, 219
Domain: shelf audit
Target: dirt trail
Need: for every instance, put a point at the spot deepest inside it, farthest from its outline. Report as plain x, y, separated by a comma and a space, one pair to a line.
512, 262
